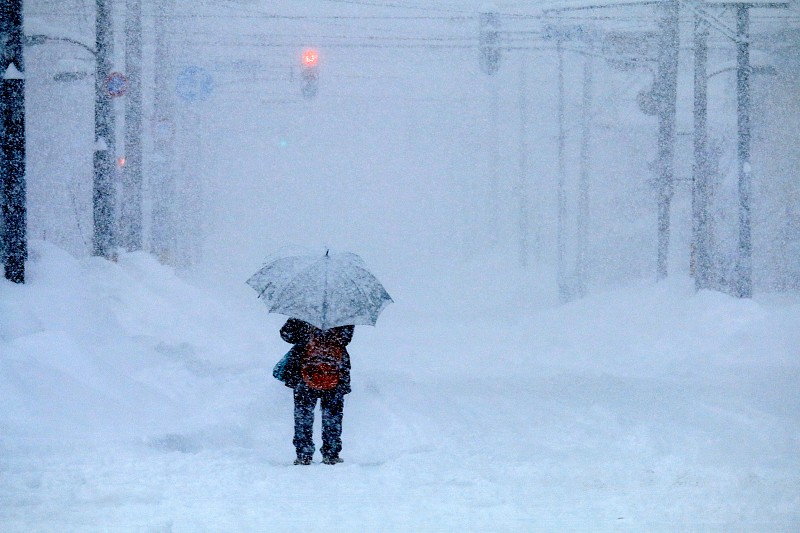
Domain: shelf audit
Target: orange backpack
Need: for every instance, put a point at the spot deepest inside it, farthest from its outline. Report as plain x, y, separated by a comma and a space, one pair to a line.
321, 364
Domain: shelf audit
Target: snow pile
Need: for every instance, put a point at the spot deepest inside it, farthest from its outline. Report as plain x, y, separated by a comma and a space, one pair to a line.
90, 345
134, 401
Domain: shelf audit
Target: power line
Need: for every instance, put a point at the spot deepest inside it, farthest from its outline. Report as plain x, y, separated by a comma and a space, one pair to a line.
390, 5
312, 18
336, 45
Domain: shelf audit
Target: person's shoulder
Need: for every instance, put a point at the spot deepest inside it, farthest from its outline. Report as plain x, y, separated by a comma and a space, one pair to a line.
299, 325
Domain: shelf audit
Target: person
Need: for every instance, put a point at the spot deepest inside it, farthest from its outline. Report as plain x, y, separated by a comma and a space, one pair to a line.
300, 333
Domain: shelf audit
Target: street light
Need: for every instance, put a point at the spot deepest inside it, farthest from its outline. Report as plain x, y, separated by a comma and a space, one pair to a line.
33, 40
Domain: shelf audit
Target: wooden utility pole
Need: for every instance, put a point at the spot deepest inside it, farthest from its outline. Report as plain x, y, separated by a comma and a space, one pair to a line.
103, 195
666, 84
744, 260
700, 253
13, 233
743, 282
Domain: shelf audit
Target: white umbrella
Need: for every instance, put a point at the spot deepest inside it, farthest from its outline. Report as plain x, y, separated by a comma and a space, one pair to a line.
325, 291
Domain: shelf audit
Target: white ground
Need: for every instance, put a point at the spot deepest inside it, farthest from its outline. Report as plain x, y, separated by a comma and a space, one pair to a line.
133, 401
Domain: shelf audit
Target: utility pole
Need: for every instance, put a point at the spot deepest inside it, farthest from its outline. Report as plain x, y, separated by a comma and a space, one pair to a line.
743, 282
12, 133
665, 90
163, 186
569, 286
700, 254
489, 62
131, 216
744, 260
103, 238
583, 184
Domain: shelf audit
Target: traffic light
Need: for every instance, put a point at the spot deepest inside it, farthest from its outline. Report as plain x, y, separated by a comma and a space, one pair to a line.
309, 63
489, 42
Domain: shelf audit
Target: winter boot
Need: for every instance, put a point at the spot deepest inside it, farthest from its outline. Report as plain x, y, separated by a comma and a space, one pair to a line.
302, 460
332, 459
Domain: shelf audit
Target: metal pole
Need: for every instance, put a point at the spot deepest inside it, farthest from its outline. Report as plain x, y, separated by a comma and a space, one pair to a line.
666, 96
744, 263
700, 257
103, 242
131, 216
12, 132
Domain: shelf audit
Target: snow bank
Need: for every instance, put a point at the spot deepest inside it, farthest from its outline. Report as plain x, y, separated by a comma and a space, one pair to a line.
90, 346
135, 401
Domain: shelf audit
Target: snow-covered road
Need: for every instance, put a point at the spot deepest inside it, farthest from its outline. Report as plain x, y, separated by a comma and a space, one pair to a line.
133, 401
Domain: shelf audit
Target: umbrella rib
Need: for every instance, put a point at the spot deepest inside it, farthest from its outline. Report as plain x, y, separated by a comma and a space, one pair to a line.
260, 291
361, 290
263, 273
379, 284
357, 286
279, 297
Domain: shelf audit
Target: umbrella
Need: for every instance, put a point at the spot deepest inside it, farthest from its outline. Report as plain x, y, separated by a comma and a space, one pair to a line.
325, 291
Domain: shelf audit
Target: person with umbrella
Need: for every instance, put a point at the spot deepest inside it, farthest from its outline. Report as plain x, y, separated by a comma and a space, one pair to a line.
325, 297
311, 381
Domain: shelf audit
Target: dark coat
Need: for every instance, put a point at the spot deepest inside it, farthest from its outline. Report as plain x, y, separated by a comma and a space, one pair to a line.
298, 332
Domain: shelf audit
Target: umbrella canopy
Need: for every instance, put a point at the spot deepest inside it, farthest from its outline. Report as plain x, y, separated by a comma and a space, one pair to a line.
325, 291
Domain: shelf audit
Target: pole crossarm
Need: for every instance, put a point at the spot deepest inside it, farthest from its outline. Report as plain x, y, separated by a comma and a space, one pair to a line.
698, 8
709, 19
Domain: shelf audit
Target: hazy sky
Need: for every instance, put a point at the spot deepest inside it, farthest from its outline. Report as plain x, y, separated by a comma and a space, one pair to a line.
400, 156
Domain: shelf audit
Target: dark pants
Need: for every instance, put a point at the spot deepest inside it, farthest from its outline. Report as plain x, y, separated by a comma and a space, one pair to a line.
332, 403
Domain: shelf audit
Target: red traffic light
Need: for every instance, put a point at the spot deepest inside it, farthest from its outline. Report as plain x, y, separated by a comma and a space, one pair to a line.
310, 58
